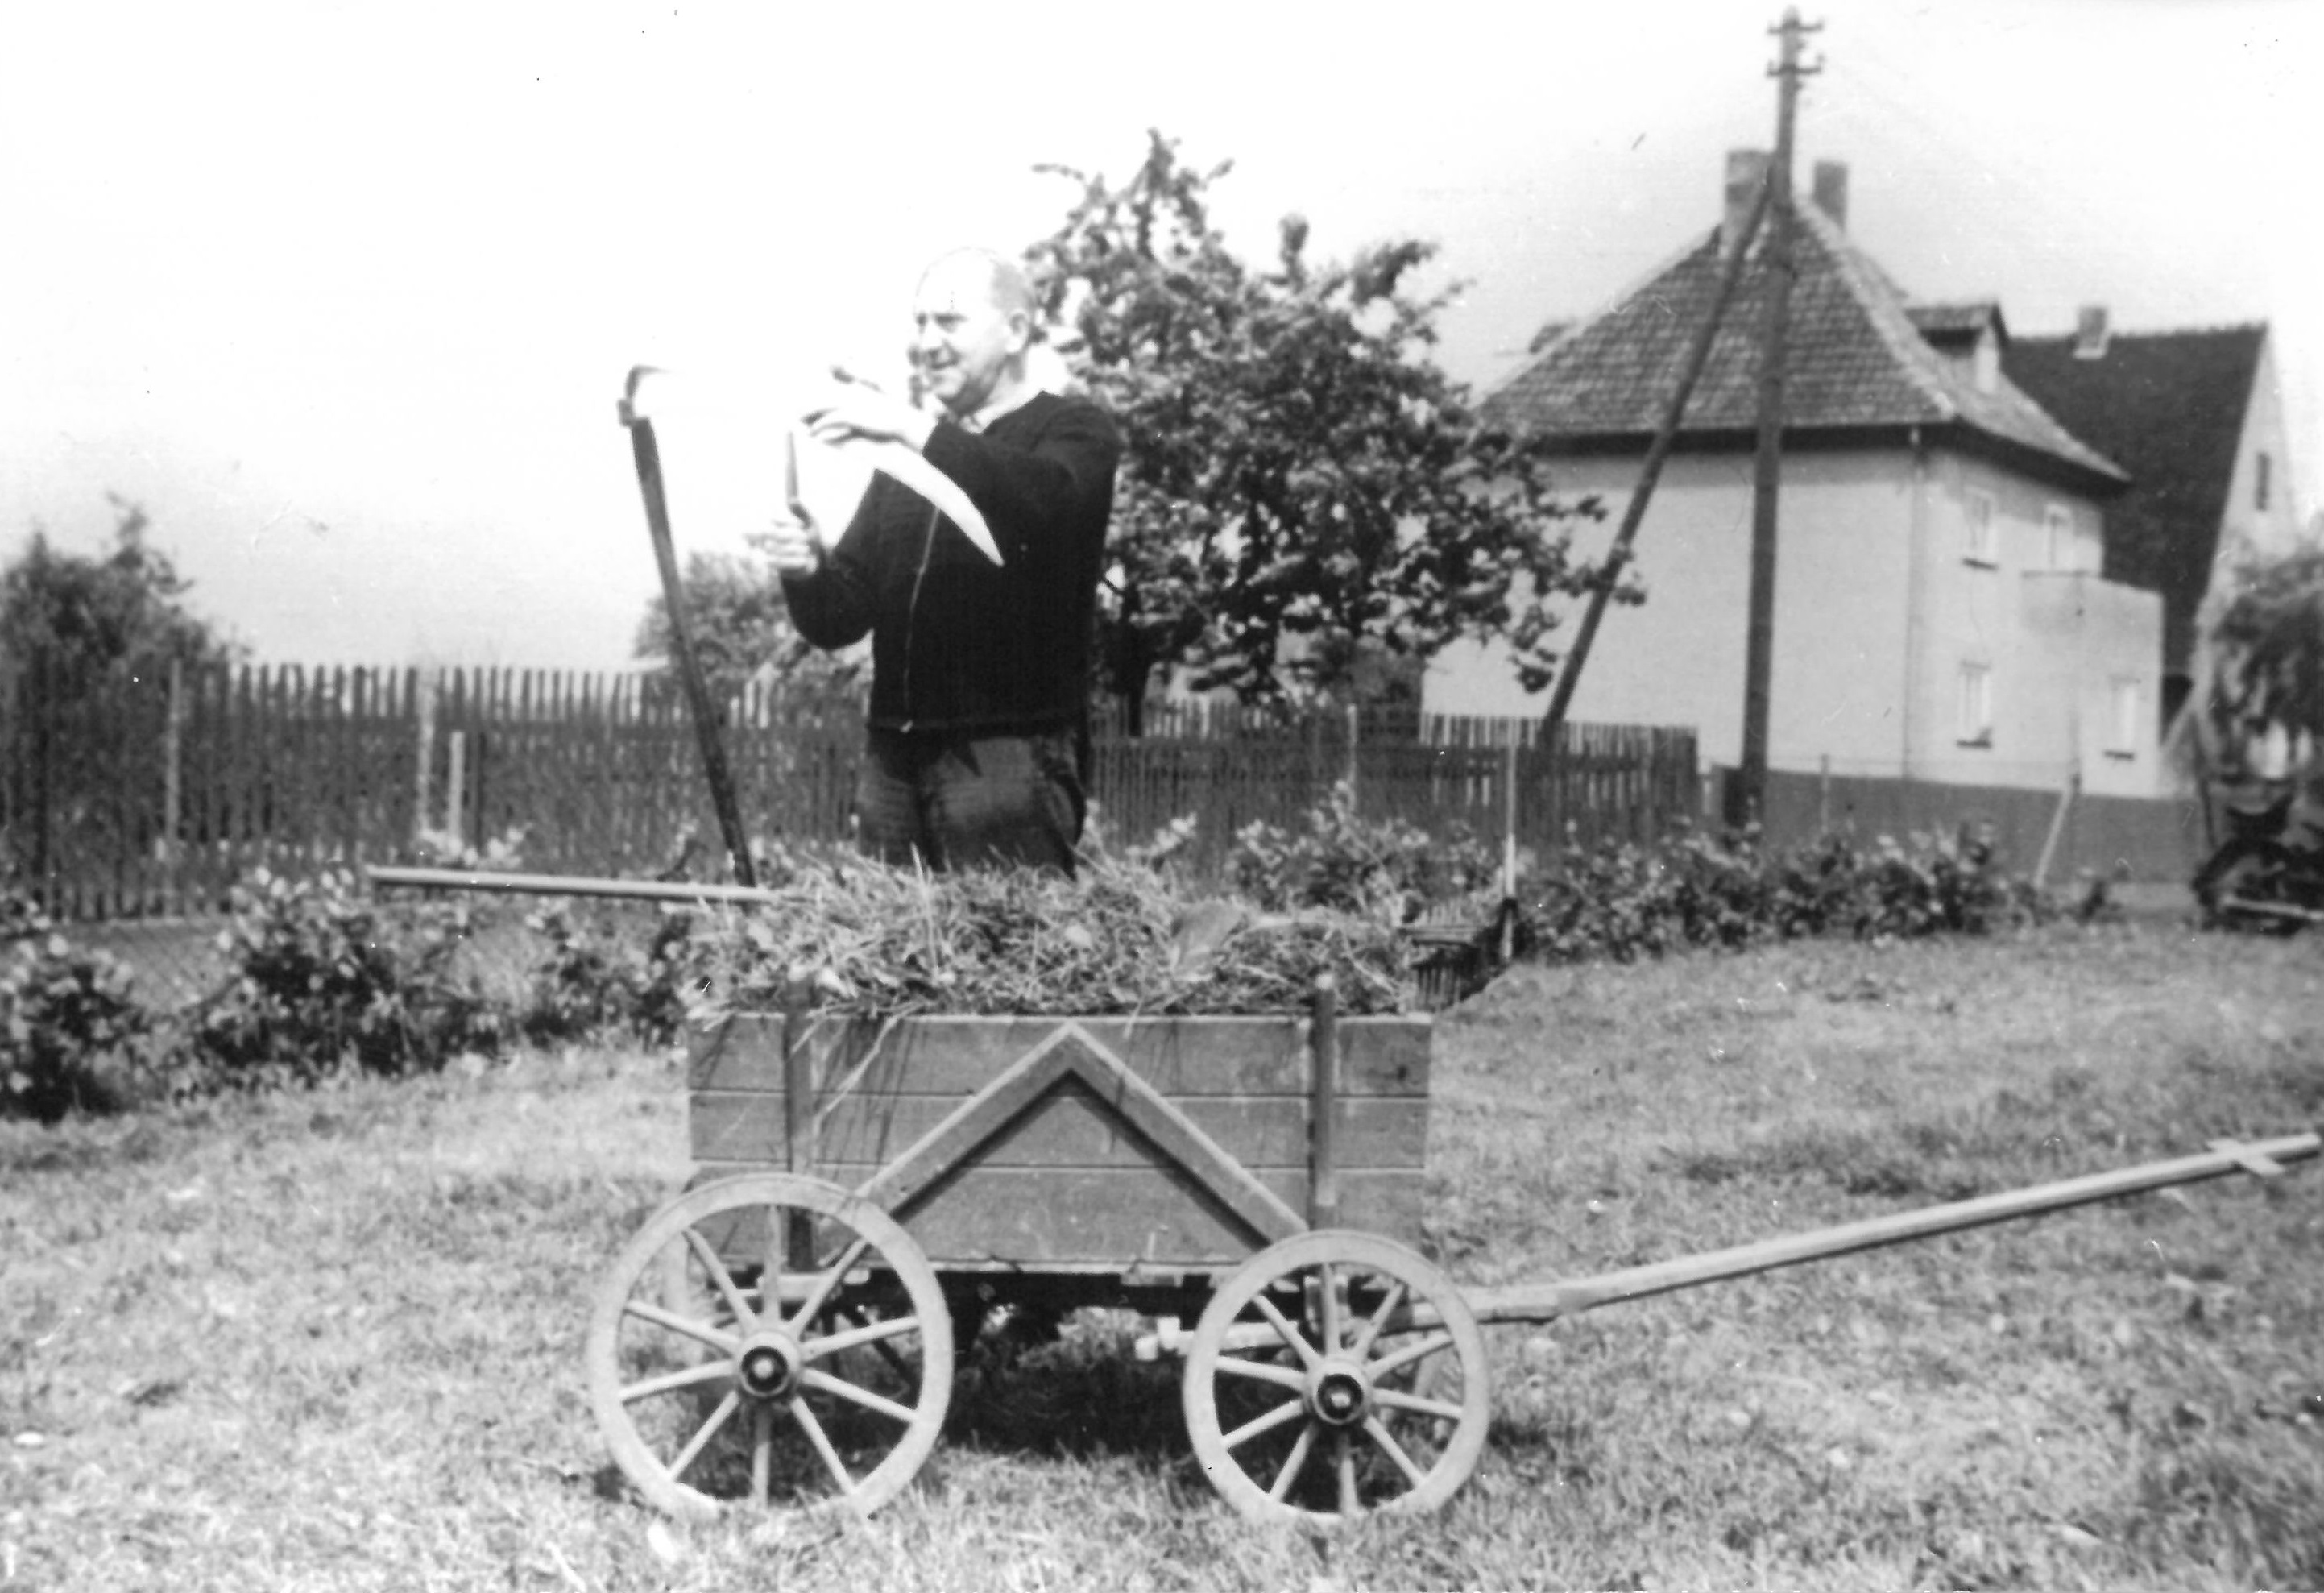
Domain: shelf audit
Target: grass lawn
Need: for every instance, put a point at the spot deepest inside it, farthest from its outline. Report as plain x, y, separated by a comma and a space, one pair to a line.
333, 1341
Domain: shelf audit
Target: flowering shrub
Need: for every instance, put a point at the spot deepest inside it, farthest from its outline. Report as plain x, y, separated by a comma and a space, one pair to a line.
591, 982
1937, 885
321, 979
1624, 901
1382, 869
584, 983
69, 1027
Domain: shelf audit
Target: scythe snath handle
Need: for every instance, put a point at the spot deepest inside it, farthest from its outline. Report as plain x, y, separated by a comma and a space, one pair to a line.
681, 646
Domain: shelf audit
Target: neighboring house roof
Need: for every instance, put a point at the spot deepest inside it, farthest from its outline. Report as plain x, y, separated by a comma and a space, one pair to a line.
1858, 365
2174, 404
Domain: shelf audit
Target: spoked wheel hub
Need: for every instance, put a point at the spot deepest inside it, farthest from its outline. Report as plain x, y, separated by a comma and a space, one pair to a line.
1339, 1395
769, 1366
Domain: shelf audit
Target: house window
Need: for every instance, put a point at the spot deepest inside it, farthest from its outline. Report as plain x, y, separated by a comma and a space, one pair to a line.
2057, 535
2259, 482
2123, 719
1983, 547
1975, 705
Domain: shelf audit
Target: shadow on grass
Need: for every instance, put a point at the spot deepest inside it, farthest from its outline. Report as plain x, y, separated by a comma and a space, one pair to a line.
1080, 1395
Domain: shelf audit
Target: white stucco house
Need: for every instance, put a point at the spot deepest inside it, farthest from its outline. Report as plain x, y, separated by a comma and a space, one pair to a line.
1943, 607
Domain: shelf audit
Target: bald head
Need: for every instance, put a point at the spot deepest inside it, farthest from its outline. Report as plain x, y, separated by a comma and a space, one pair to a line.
973, 319
998, 280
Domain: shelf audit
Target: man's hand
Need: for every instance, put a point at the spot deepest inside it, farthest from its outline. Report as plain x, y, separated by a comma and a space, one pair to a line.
793, 544
858, 409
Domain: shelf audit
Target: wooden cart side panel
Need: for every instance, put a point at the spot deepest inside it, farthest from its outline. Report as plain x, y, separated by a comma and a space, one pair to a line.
1150, 1216
1179, 1056
869, 1132
1064, 1175
1243, 1083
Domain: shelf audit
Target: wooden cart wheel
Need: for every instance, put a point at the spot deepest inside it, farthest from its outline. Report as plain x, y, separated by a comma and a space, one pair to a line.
814, 1375
1312, 1395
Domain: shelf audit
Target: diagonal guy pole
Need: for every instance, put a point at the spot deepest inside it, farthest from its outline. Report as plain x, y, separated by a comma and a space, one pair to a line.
1649, 473
681, 645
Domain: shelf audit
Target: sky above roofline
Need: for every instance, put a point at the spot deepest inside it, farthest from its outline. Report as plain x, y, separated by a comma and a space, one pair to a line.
343, 297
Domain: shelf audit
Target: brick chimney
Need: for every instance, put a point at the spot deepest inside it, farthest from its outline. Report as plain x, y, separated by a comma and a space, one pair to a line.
1831, 191
1746, 174
2091, 332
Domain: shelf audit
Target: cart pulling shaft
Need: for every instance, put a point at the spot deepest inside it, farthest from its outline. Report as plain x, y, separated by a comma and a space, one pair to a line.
1543, 1302
564, 884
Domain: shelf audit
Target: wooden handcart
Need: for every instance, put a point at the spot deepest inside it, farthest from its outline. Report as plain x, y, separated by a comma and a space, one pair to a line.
784, 1333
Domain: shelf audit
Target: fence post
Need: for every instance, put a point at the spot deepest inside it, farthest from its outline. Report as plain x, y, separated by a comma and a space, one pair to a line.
1354, 720
425, 685
2066, 795
173, 770
1510, 812
455, 787
44, 694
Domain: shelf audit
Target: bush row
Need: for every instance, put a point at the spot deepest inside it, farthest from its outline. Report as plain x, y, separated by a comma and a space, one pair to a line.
1621, 901
321, 979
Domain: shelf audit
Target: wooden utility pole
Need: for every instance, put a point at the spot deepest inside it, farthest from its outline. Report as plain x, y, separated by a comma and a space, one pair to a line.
1746, 798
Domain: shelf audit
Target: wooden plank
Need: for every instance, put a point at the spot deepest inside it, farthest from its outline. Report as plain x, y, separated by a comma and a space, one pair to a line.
1179, 1056
1262, 1132
1029, 1217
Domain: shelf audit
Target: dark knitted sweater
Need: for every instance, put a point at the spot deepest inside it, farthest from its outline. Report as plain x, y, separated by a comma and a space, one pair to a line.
958, 642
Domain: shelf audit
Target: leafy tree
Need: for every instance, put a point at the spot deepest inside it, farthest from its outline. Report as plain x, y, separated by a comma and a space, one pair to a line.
123, 611
2265, 644
739, 623
1303, 490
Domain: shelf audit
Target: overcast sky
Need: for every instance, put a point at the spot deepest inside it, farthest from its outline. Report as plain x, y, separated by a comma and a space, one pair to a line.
344, 295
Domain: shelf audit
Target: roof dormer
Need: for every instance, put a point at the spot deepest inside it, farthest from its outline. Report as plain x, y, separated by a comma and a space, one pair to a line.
1972, 335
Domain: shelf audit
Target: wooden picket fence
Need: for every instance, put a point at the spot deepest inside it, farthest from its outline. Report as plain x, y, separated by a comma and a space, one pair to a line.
135, 798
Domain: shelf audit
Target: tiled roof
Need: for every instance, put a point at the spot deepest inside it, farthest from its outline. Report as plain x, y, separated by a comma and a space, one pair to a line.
2171, 404
1856, 362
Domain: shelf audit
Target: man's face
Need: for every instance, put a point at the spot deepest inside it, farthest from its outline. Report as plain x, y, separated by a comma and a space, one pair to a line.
963, 342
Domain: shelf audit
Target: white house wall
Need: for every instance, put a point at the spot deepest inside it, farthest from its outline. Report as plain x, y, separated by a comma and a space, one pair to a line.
1839, 672
2274, 528
2079, 638
2052, 681
1879, 604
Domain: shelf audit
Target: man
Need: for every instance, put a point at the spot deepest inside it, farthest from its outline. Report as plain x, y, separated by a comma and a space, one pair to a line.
980, 671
